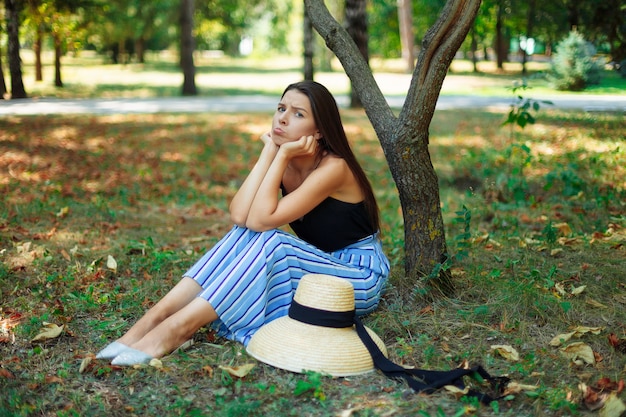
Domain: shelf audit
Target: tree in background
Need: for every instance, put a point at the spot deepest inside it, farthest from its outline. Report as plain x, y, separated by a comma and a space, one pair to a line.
356, 25
405, 138
573, 64
407, 40
308, 47
12, 11
3, 85
187, 46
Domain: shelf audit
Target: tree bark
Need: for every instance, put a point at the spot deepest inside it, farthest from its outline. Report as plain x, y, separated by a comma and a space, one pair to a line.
187, 47
474, 47
356, 23
58, 52
309, 48
37, 52
407, 41
3, 84
530, 20
404, 139
500, 47
12, 11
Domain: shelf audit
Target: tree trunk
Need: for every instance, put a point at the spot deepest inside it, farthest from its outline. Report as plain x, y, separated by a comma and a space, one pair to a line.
58, 52
37, 52
309, 48
530, 20
474, 47
499, 35
356, 23
187, 47
3, 84
140, 50
404, 139
12, 12
407, 41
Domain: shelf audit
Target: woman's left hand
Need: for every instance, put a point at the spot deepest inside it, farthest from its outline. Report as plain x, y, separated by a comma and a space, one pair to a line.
305, 146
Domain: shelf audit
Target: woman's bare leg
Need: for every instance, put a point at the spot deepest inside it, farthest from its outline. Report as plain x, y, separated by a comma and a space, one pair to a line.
176, 299
176, 329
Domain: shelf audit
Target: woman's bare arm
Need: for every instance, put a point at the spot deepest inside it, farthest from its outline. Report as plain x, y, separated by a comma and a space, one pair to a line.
242, 201
268, 211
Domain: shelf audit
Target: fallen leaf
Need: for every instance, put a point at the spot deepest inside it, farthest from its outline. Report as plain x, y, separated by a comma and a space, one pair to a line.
578, 332
52, 379
564, 241
563, 228
559, 339
63, 212
51, 331
482, 238
427, 310
594, 303
555, 251
238, 371
579, 353
156, 363
84, 364
5, 373
617, 343
515, 388
578, 290
506, 351
209, 370
606, 384
111, 263
613, 406
456, 391
560, 288
591, 397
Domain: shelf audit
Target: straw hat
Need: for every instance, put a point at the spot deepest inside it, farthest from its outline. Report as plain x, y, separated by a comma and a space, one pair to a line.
295, 346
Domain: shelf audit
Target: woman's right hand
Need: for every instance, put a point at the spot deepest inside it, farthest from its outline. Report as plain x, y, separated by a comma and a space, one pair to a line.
267, 138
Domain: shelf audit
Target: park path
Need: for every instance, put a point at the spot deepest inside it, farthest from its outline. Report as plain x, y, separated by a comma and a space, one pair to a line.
264, 103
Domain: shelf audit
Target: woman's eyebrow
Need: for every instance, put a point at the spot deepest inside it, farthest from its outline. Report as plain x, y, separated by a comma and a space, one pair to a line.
300, 109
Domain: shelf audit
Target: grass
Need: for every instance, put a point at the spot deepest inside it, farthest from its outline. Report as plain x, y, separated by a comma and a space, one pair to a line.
92, 76
547, 208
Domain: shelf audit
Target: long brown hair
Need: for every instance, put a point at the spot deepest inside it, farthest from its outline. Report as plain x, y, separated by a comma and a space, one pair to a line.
334, 139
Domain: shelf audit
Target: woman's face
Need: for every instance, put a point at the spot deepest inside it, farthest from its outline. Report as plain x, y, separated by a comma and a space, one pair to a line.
293, 118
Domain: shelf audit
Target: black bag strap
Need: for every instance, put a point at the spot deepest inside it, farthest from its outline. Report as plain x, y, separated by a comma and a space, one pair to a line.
420, 380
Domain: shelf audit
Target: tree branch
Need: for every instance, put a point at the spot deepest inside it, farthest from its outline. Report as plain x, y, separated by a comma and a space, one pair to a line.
440, 44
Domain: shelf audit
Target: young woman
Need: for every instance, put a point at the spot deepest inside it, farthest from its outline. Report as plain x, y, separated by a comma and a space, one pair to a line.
306, 176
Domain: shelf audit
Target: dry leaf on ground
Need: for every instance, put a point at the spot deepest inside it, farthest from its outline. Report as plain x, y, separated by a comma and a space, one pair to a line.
580, 353
50, 331
506, 351
515, 388
578, 332
238, 371
613, 406
111, 263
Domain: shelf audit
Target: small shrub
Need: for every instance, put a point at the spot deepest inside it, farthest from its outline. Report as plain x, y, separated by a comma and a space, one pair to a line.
573, 65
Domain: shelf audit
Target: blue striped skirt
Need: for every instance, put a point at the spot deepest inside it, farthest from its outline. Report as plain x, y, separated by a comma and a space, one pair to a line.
250, 277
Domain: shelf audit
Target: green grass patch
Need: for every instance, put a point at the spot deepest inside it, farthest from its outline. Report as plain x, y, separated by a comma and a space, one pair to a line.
547, 217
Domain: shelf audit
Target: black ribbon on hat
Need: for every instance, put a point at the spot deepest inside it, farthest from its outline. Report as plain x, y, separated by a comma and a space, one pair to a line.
420, 380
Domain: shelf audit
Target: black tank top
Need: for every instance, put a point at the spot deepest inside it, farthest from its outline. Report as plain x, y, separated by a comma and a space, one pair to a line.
334, 224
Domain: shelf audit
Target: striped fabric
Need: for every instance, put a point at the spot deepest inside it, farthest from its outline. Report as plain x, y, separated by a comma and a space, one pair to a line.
250, 277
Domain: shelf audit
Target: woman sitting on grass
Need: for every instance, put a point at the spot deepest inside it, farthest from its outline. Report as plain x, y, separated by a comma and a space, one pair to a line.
249, 277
